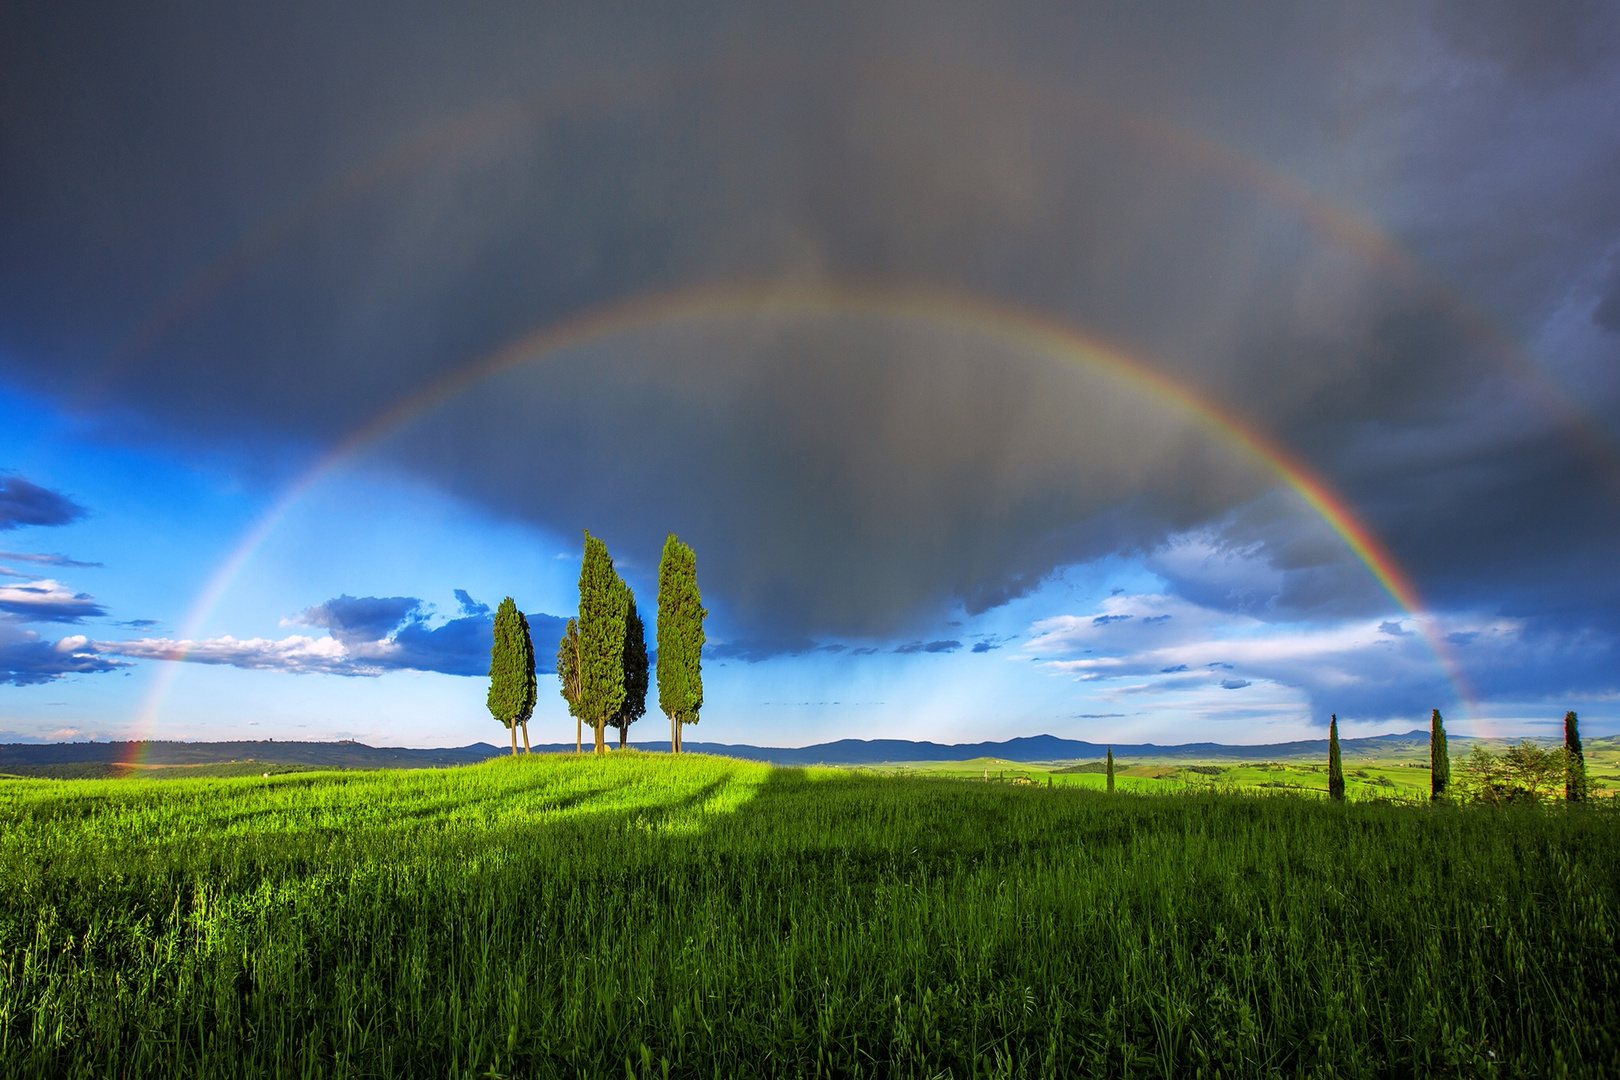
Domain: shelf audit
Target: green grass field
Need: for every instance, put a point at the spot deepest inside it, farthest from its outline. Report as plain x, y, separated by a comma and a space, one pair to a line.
1387, 776
638, 915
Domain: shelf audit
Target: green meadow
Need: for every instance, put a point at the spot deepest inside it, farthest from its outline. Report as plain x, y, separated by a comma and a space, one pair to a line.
1400, 774
640, 915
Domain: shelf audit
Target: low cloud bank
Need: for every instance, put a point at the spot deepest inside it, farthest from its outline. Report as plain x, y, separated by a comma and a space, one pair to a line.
368, 636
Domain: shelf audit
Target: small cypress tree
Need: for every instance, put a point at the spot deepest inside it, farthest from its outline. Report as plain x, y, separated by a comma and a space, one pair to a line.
568, 677
635, 669
680, 638
1110, 770
1574, 761
601, 639
1335, 766
1439, 758
511, 669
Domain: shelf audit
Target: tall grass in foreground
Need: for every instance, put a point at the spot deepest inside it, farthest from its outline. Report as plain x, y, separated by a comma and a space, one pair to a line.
638, 915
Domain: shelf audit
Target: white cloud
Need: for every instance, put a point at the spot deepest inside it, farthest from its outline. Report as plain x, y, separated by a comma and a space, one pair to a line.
1162, 643
295, 653
46, 600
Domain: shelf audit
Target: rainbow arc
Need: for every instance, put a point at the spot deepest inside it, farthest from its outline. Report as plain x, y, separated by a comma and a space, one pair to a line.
1037, 332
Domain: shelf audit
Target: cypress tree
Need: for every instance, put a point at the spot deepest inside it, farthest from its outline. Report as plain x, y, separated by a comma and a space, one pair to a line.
1335, 766
568, 677
1439, 758
601, 639
680, 638
1110, 770
531, 690
1574, 761
635, 668
511, 670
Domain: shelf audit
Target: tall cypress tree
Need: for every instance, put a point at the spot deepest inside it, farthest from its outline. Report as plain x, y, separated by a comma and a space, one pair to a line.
1574, 761
1110, 770
601, 639
1335, 766
635, 669
568, 677
531, 689
1439, 758
511, 669
680, 638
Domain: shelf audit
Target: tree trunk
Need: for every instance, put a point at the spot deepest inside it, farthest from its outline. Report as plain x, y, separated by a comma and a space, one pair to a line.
680, 729
624, 734
601, 738
525, 736
672, 733
579, 734
513, 728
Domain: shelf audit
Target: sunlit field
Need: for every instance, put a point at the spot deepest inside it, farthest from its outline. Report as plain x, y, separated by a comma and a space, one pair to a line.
646, 916
1392, 776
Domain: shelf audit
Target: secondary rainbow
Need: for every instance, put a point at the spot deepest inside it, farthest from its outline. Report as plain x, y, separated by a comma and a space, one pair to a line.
491, 124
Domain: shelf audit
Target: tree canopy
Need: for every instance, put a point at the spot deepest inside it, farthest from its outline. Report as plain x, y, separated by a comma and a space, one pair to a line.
602, 610
1439, 757
568, 675
1335, 764
511, 696
680, 637
635, 667
1575, 786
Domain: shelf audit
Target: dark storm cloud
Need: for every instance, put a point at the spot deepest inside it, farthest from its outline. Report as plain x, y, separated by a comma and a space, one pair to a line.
857, 475
26, 503
419, 190
942, 646
1537, 39
1607, 312
758, 650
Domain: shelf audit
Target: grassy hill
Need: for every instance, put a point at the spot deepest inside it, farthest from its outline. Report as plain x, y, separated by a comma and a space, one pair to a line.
637, 914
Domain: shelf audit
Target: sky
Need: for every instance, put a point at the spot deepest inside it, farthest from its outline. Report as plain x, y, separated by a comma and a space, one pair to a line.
1123, 371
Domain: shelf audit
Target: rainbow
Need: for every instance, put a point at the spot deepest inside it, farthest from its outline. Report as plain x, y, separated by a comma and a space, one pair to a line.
934, 307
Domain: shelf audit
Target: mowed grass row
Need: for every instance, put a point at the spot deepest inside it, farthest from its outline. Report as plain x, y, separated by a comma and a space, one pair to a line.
642, 915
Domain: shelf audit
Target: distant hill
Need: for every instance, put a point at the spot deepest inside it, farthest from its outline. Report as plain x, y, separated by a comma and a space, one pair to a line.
1052, 748
346, 755
34, 757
